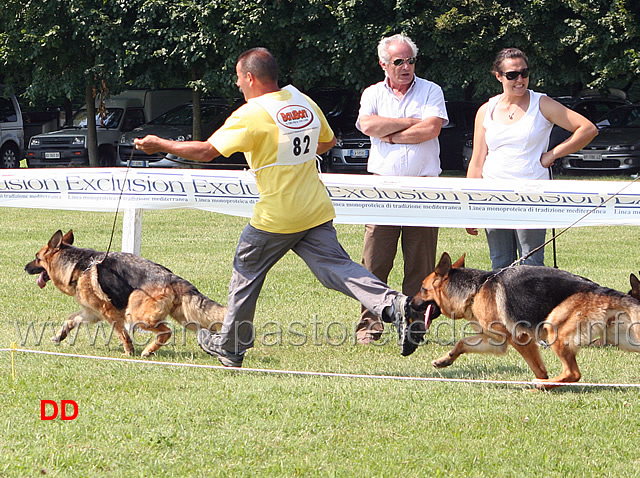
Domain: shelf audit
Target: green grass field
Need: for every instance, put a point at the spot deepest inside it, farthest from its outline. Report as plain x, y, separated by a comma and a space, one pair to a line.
140, 419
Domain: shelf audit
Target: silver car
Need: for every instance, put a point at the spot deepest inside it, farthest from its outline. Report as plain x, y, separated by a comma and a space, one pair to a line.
11, 132
616, 148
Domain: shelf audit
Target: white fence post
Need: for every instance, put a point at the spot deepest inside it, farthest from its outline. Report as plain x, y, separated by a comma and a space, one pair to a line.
132, 231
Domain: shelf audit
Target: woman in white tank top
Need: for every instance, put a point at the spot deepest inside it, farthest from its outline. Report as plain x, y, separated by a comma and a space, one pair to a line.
510, 141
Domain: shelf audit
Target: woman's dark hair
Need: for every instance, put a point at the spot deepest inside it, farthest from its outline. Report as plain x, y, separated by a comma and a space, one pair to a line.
508, 53
261, 63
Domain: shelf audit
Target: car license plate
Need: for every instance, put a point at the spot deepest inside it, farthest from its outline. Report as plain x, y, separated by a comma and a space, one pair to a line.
593, 157
359, 153
136, 163
54, 155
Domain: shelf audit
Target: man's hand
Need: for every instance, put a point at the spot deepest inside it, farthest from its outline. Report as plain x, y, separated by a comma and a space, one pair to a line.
201, 151
149, 144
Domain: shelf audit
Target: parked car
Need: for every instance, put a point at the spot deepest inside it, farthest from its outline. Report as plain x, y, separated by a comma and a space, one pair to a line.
593, 107
453, 136
68, 147
11, 131
40, 121
616, 148
351, 152
589, 104
177, 125
349, 155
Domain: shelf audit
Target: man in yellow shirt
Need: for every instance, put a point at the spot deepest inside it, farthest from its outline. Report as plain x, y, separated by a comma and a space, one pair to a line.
281, 131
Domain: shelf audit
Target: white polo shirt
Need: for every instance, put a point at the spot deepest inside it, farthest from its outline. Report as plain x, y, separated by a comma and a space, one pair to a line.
424, 99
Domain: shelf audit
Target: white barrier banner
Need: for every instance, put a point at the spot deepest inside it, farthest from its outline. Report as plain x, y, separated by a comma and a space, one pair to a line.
358, 199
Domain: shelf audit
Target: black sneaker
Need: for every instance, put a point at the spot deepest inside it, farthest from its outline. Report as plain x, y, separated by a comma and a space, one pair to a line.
210, 343
409, 324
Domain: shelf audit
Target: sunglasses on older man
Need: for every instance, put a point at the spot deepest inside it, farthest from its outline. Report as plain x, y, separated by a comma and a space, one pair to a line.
513, 75
400, 61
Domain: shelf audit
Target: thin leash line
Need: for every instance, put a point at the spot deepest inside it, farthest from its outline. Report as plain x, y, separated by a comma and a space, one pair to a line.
328, 374
553, 230
115, 217
580, 219
553, 238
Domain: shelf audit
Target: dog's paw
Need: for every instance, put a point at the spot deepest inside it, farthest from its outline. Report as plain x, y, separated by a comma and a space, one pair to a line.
56, 339
443, 361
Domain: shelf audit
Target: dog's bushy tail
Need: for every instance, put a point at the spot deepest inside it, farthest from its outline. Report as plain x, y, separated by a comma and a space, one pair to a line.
200, 311
631, 329
623, 328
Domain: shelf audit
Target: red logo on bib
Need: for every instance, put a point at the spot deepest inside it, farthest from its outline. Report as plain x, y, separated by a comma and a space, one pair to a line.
295, 116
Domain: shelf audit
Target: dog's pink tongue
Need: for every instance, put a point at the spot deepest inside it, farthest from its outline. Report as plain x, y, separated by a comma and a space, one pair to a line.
41, 282
427, 317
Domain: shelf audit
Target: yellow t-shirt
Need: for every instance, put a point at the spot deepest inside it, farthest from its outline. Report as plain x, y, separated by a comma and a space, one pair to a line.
292, 197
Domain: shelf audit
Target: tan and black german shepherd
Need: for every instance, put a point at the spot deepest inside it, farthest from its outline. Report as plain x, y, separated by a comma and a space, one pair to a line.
123, 289
519, 306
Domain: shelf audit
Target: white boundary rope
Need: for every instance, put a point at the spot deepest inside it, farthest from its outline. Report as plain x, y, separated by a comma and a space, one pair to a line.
328, 374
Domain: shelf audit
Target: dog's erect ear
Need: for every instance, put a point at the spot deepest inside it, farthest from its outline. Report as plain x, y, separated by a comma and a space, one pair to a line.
68, 237
55, 240
635, 287
460, 262
444, 266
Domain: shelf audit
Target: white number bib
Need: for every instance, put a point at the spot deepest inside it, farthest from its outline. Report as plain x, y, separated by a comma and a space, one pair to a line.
298, 126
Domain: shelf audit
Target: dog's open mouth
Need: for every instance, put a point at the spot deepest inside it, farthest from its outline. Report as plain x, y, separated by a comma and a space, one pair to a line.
42, 279
431, 313
430, 310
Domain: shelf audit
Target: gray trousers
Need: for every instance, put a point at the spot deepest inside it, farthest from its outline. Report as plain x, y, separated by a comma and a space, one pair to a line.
258, 251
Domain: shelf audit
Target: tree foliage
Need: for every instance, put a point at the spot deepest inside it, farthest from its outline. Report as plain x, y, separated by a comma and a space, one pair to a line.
60, 47
65, 47
606, 35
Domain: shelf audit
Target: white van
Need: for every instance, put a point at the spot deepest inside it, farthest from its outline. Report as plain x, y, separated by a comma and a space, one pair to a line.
11, 131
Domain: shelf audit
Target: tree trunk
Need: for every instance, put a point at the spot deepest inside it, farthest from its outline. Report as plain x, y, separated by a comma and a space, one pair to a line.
68, 110
197, 115
92, 135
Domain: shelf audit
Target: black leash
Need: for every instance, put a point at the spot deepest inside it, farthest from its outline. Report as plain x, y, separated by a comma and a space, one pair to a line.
553, 231
126, 173
554, 236
517, 262
115, 217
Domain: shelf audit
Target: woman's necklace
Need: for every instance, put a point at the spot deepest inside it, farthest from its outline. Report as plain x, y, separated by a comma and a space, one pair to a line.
510, 114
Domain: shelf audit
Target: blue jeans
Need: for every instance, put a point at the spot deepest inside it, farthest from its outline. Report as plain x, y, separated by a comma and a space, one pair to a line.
505, 245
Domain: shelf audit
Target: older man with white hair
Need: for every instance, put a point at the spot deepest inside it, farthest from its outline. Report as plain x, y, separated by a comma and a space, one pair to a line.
403, 115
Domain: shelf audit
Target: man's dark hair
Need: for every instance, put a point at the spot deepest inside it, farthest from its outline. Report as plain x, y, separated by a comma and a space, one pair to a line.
261, 63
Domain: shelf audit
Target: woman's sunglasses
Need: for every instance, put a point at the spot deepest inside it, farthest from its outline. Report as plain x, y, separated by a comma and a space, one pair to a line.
513, 75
